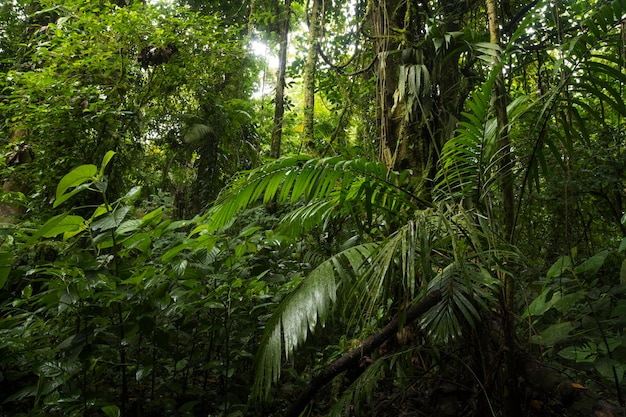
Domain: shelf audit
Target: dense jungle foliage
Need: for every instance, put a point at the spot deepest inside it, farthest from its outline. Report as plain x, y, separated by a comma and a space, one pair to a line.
312, 208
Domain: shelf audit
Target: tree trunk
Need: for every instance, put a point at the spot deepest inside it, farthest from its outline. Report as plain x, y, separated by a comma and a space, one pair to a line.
420, 90
279, 111
384, 93
506, 182
511, 407
315, 18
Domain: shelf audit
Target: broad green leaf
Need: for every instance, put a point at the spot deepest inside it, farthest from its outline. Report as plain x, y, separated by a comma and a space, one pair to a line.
249, 231
544, 301
58, 225
128, 226
105, 162
558, 267
154, 215
110, 220
71, 233
592, 265
171, 253
606, 368
111, 410
99, 211
139, 241
579, 354
132, 193
67, 196
564, 303
74, 178
556, 333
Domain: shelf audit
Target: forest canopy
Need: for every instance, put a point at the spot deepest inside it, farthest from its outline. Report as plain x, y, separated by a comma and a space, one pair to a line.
285, 207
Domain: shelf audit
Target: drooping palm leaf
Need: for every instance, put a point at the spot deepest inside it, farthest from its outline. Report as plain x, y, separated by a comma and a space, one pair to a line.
323, 184
301, 311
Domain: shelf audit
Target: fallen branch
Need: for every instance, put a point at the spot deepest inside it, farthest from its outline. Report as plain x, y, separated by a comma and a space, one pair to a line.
352, 358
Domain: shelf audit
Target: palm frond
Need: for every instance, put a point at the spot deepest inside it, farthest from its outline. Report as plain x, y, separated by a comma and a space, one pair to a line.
471, 161
301, 311
404, 266
392, 268
324, 184
466, 289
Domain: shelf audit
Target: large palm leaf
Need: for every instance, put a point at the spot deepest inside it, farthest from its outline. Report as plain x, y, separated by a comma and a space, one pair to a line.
302, 310
441, 250
397, 268
321, 187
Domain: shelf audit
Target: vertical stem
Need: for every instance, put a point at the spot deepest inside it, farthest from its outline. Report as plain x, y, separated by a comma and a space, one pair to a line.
120, 318
309, 73
124, 398
506, 184
506, 165
279, 111
227, 350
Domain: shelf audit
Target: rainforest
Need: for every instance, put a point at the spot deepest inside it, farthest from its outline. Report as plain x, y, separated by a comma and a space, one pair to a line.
312, 208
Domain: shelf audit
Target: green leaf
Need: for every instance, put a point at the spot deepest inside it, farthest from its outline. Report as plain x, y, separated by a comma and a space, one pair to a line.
565, 303
111, 410
105, 162
605, 367
544, 301
139, 241
558, 267
579, 354
128, 226
622, 245
556, 333
132, 193
58, 225
111, 220
297, 315
592, 265
67, 196
74, 178
154, 215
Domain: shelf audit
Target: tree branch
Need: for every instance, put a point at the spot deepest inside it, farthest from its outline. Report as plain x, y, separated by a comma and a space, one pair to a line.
353, 357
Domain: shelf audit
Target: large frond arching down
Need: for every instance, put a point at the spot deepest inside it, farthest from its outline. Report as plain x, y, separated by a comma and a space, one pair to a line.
301, 311
323, 184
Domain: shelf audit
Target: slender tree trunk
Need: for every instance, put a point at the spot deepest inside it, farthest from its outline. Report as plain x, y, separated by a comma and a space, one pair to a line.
309, 72
511, 406
279, 111
251, 23
506, 167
